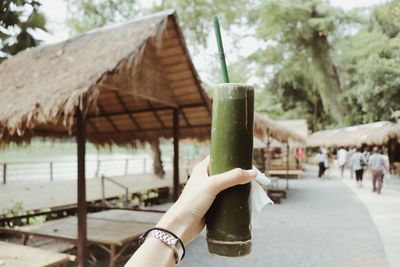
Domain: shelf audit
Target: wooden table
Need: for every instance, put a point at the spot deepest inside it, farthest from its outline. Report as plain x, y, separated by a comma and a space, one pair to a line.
112, 230
13, 255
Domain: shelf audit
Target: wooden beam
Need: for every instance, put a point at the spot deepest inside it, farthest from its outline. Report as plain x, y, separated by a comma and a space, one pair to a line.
176, 186
121, 101
156, 114
108, 118
145, 110
189, 61
185, 117
65, 134
82, 208
162, 99
93, 126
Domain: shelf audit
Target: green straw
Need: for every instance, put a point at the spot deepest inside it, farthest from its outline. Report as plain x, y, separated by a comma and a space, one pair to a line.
221, 53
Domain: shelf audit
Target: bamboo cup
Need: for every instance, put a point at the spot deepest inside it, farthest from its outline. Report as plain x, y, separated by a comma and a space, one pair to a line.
228, 220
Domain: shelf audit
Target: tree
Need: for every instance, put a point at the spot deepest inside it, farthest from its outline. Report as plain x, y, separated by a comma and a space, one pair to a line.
18, 21
84, 15
300, 31
370, 62
196, 16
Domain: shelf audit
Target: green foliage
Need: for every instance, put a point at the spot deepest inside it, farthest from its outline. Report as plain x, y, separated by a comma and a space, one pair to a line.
370, 62
18, 20
84, 15
196, 16
300, 51
14, 210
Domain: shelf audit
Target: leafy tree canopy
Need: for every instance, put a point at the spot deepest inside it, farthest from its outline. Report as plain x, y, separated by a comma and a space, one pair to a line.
370, 62
18, 20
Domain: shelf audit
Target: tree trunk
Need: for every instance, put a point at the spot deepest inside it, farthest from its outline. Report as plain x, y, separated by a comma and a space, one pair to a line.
327, 78
157, 162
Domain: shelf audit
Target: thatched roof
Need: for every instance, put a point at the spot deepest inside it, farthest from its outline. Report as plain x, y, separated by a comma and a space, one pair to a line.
265, 127
377, 133
130, 76
299, 126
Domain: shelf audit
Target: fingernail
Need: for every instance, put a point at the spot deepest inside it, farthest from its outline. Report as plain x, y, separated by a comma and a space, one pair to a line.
251, 173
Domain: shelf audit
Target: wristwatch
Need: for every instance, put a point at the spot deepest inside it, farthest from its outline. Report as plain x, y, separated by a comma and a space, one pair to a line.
169, 239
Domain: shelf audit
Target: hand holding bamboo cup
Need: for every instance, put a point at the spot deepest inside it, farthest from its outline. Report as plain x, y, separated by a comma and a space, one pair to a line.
229, 218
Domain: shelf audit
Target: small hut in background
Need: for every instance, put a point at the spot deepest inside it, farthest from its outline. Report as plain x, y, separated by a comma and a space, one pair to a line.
279, 140
376, 133
122, 85
383, 133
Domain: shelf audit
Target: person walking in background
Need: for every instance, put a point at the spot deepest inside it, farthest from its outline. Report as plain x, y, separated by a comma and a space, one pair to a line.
350, 154
366, 154
342, 159
376, 163
357, 164
299, 157
321, 159
386, 168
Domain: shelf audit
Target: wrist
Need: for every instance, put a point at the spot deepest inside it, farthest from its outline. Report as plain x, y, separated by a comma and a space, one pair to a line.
175, 221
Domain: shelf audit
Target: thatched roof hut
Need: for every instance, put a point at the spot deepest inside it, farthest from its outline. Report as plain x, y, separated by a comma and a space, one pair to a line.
265, 127
299, 126
126, 79
377, 133
125, 84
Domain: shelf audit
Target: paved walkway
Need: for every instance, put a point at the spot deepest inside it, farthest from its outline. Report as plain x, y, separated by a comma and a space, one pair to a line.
321, 223
384, 210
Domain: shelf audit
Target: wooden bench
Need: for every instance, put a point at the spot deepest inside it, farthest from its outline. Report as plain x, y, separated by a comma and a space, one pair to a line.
280, 192
283, 173
13, 255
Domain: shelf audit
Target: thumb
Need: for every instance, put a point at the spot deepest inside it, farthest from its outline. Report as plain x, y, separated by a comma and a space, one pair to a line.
233, 177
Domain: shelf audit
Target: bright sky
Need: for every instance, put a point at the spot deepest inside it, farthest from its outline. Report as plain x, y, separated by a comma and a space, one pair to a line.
56, 13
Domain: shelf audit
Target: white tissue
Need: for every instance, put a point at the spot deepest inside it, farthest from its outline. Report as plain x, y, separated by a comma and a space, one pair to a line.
259, 197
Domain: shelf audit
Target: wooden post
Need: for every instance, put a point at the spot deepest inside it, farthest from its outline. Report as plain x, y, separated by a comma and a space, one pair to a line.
126, 166
51, 171
268, 153
82, 209
4, 173
97, 168
176, 187
144, 165
263, 159
287, 165
103, 190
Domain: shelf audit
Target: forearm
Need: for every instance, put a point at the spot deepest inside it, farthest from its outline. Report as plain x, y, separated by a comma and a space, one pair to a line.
154, 252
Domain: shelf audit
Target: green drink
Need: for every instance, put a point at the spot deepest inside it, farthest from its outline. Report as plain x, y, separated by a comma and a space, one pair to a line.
228, 220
